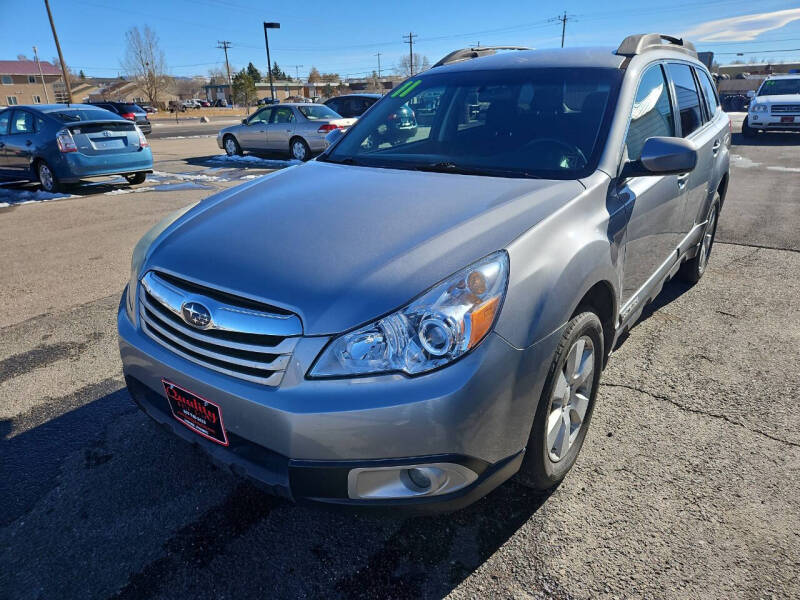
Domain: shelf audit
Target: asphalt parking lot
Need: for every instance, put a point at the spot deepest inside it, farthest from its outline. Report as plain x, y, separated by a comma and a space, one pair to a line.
688, 484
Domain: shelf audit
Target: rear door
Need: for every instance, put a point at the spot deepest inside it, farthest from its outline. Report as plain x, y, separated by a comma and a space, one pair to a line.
281, 127
657, 202
695, 126
20, 142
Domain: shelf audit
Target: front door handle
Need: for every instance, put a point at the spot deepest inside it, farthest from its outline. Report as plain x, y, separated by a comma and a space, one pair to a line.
715, 148
682, 180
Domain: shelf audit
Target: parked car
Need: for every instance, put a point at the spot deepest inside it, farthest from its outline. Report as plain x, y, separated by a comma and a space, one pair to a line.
352, 105
298, 129
130, 111
205, 103
267, 101
191, 103
149, 109
415, 322
58, 144
176, 106
775, 106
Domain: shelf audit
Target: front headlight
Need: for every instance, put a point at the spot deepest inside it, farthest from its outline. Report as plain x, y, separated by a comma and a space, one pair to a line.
758, 108
438, 327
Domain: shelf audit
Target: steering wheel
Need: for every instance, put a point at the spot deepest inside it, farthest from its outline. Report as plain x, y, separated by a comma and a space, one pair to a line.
574, 155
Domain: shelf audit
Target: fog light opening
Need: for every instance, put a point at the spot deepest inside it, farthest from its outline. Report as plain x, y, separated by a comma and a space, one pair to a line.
408, 481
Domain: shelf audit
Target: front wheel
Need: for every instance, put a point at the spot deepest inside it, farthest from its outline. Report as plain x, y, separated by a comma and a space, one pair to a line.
136, 178
566, 405
231, 146
48, 179
748, 131
299, 149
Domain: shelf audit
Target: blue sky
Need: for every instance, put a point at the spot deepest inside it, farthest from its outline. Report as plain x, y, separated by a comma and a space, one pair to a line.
344, 36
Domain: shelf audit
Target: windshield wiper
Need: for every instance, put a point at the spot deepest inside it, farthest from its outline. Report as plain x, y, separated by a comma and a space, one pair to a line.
451, 167
347, 160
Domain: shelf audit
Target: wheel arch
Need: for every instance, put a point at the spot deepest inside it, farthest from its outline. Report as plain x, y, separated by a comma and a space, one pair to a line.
601, 298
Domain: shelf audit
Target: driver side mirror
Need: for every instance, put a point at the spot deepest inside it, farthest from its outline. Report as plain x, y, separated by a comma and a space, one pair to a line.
333, 136
244, 121
662, 156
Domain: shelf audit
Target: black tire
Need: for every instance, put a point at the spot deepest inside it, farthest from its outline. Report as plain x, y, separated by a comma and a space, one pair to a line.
47, 178
748, 131
539, 470
299, 150
136, 178
692, 270
231, 146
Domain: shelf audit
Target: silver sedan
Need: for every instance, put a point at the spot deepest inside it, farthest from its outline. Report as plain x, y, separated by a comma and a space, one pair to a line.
296, 128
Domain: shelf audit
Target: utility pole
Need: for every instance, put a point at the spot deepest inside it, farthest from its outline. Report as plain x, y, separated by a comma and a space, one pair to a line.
224, 45
297, 72
60, 56
379, 64
410, 42
269, 61
563, 20
39, 64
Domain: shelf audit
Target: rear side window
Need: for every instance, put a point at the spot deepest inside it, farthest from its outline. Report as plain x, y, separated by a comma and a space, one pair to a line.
282, 114
687, 97
84, 114
709, 91
22, 122
5, 116
652, 114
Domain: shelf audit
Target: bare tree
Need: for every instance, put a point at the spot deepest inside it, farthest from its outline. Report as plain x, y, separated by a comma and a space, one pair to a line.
314, 76
421, 63
144, 62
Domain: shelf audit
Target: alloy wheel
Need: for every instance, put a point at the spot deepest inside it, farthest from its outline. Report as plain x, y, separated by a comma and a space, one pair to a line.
299, 150
230, 146
708, 239
46, 178
570, 398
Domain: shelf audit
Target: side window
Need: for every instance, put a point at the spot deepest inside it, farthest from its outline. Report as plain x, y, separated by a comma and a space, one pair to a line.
261, 116
282, 115
709, 91
333, 105
652, 114
687, 97
22, 122
5, 116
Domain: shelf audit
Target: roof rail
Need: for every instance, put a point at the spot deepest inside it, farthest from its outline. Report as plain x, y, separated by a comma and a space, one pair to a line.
474, 52
642, 42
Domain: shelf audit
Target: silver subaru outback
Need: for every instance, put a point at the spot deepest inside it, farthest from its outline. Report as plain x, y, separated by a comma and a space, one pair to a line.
414, 319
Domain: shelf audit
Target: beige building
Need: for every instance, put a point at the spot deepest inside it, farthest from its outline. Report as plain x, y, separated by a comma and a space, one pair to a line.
125, 91
21, 82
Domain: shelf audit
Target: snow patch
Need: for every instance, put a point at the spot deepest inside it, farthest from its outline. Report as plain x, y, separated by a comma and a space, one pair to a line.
189, 176
743, 162
254, 161
9, 196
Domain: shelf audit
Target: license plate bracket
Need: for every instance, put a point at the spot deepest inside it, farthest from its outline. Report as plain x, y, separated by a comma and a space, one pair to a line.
195, 412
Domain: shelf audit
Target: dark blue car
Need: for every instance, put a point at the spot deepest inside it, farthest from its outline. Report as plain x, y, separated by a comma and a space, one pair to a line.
58, 144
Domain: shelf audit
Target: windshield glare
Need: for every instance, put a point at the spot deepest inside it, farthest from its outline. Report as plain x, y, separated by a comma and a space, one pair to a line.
315, 112
548, 123
780, 87
85, 114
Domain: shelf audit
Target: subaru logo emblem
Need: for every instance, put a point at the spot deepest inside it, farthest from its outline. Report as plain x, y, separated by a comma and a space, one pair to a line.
196, 315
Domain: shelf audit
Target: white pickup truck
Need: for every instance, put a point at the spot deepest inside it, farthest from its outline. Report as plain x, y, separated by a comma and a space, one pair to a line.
775, 106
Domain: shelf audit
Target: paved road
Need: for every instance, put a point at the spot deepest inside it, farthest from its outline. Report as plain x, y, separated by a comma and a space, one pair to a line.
189, 127
688, 485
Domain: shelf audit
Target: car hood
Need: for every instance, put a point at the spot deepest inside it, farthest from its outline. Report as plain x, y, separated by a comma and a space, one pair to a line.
341, 245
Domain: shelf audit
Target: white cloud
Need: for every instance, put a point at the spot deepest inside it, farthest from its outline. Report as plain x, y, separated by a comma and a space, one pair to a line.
742, 28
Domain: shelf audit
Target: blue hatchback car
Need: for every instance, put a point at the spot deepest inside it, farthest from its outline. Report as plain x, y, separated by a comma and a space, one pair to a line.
58, 144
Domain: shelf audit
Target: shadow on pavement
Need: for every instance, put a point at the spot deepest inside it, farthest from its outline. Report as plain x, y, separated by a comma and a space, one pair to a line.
772, 138
96, 472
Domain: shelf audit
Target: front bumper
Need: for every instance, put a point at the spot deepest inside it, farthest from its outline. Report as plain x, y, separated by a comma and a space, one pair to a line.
73, 166
303, 437
770, 122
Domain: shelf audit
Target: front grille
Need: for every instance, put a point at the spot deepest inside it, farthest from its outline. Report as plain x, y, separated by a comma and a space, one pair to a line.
785, 109
244, 339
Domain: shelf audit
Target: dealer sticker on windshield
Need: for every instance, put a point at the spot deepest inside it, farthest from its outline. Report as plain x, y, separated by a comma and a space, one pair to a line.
198, 414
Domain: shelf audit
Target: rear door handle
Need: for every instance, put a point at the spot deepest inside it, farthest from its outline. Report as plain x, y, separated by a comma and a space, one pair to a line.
682, 180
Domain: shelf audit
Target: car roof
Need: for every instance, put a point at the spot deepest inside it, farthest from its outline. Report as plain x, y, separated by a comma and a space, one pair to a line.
603, 57
364, 95
46, 108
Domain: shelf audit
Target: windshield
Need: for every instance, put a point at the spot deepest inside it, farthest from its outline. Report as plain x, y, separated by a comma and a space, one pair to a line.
780, 87
85, 114
548, 123
315, 112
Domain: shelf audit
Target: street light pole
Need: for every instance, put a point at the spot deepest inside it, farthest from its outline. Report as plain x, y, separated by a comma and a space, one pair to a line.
269, 60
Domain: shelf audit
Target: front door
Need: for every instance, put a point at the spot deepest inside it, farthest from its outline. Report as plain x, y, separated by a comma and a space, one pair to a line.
657, 202
253, 134
281, 128
20, 142
5, 118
